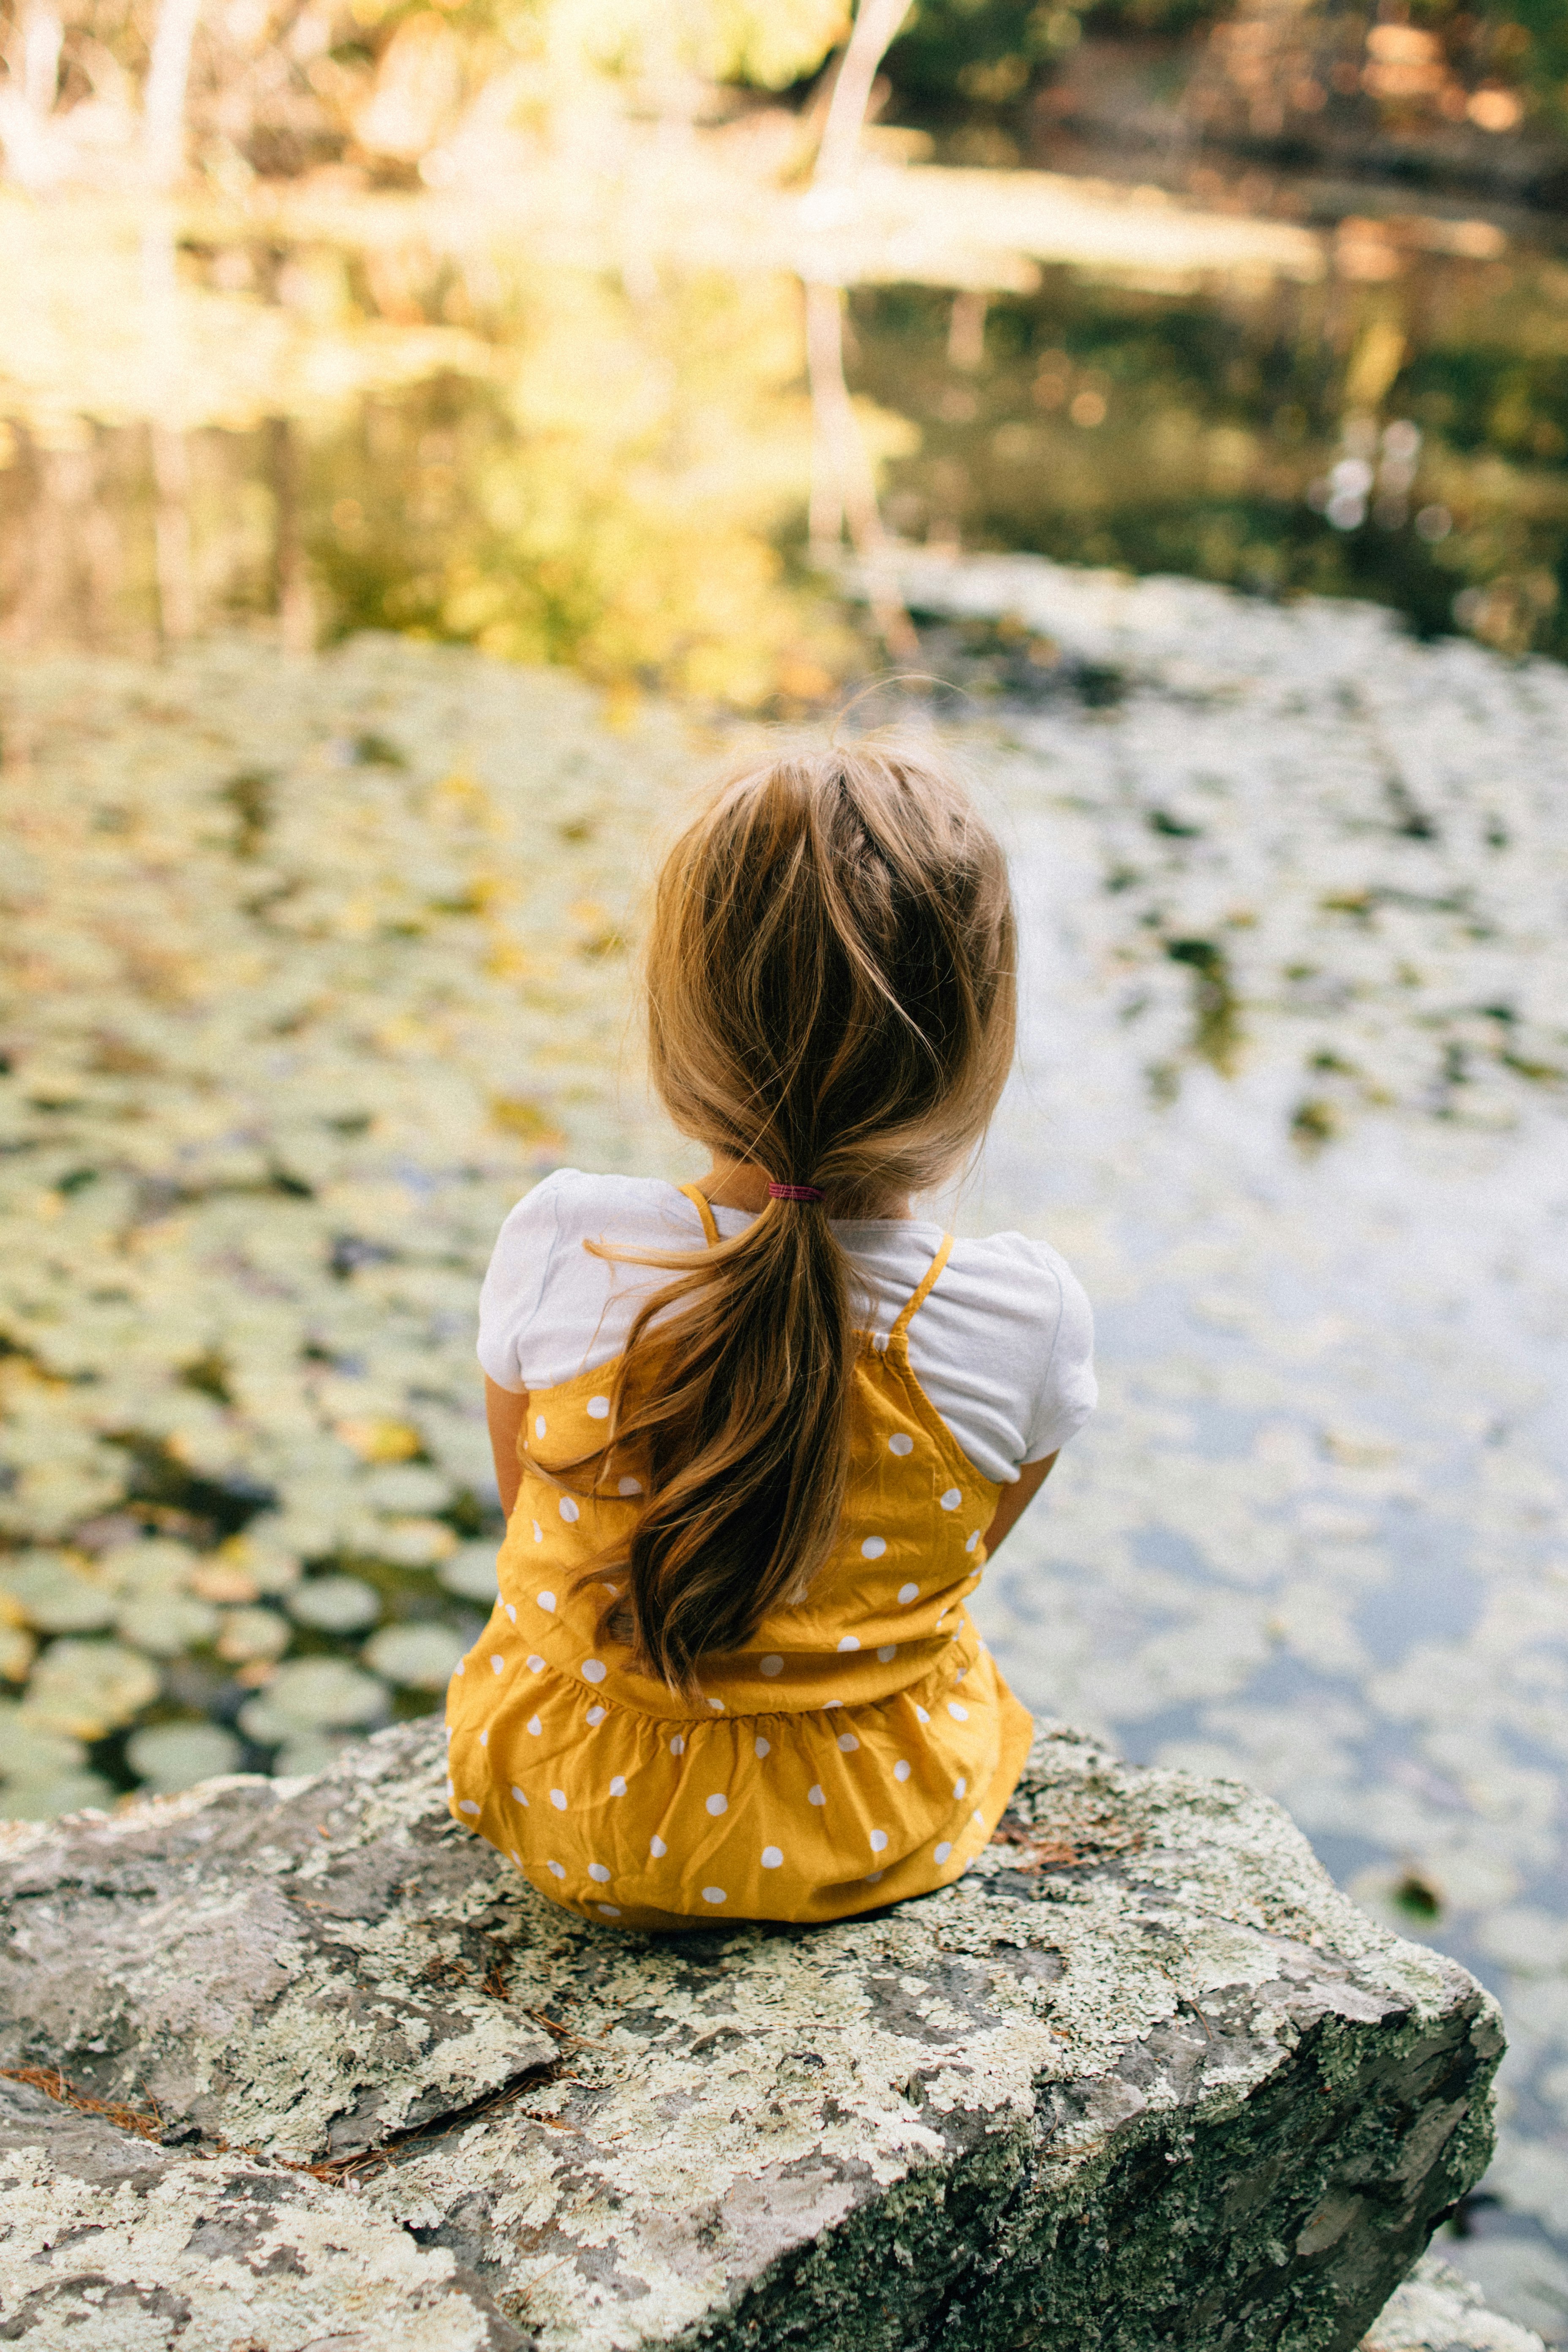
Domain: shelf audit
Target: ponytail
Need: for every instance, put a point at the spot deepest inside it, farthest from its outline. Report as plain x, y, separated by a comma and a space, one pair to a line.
831, 999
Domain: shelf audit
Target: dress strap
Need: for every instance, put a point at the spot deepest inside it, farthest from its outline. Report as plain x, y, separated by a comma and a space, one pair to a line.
699, 1201
926, 1285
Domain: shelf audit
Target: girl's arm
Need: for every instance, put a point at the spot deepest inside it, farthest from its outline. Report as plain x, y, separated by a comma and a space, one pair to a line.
1017, 1499
505, 1411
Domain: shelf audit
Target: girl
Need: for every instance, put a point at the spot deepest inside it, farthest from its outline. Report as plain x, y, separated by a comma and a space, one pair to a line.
730, 1674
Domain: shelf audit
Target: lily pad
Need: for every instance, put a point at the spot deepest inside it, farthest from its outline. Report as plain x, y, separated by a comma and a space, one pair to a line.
155, 1566
335, 1604
167, 1622
53, 1594
307, 1751
45, 1801
30, 1751
178, 1755
88, 1688
17, 1651
415, 1543
271, 1565
420, 1657
312, 1695
471, 1572
406, 1486
248, 1633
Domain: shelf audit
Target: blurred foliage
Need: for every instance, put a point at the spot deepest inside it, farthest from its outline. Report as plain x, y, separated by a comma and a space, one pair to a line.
957, 56
614, 503
1113, 426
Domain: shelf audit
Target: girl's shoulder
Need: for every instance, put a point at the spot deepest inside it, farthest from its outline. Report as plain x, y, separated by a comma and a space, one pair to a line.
575, 1205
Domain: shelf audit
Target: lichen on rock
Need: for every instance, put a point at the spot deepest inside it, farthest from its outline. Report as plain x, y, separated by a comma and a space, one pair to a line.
1143, 2078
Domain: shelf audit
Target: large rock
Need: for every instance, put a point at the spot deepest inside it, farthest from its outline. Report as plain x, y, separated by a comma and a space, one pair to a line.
1142, 2079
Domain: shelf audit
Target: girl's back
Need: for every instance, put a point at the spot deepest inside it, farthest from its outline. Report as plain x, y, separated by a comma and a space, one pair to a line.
729, 1672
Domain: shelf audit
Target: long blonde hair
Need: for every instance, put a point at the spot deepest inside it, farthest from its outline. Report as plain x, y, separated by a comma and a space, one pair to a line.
831, 995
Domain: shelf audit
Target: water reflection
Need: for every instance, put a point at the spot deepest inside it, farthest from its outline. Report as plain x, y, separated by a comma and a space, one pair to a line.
609, 462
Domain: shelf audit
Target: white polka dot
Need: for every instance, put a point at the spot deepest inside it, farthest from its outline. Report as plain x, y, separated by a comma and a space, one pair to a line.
959, 1714
556, 1869
887, 1652
558, 1799
714, 1894
717, 1805
511, 1612
518, 1859
908, 1592
536, 1664
773, 1857
629, 1487
961, 1787
848, 1741
678, 1746
901, 1769
973, 1540
951, 1500
539, 1425
657, 1848
484, 1739
593, 1670
922, 1715
598, 1408
769, 1665
979, 1819
568, 1508
467, 1805
831, 1702
535, 1726
763, 1747
608, 1910
598, 1873
813, 1796
873, 1877
717, 1705
596, 1715
451, 1789
960, 1675
873, 1547
497, 1663
460, 1665
849, 1643
517, 1792
900, 1443
545, 1599
537, 1531
943, 1850
878, 1841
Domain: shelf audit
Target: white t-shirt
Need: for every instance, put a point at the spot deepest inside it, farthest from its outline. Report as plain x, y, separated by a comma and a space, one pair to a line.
1003, 1345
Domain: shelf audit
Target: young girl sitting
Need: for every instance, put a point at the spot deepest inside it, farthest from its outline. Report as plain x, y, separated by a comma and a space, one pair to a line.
730, 1674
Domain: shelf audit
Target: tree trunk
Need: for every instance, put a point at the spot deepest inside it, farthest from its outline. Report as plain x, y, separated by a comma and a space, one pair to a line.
163, 99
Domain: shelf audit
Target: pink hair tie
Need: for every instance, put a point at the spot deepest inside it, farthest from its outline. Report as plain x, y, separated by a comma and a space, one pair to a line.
793, 1192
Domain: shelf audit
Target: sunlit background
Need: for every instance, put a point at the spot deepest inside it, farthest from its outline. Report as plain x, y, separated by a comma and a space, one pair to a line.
430, 437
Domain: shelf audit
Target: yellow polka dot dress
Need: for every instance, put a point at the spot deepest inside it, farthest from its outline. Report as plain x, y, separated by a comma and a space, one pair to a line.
862, 1749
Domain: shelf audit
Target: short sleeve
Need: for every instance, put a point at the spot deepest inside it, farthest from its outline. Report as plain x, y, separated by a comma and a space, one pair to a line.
514, 1282
1068, 1390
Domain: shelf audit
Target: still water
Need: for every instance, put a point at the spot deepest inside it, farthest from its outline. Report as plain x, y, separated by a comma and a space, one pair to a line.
356, 420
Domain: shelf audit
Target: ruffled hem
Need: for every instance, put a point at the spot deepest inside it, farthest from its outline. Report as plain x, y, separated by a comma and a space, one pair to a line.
626, 1820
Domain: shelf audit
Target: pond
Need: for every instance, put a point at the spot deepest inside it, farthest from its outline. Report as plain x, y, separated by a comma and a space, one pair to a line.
312, 965
385, 413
